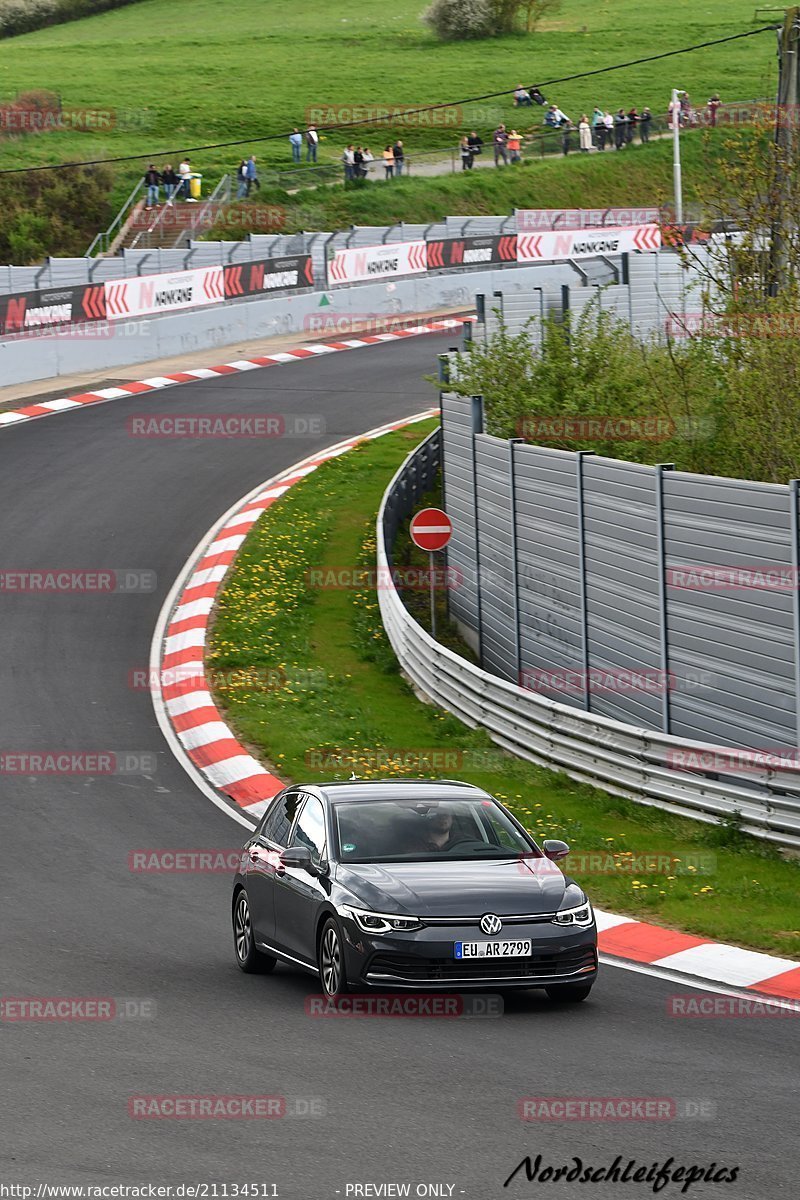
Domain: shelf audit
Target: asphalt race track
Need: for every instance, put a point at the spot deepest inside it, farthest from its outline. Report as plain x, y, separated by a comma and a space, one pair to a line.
405, 1100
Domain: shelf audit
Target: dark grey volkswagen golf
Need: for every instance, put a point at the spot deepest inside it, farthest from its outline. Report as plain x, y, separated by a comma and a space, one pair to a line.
430, 885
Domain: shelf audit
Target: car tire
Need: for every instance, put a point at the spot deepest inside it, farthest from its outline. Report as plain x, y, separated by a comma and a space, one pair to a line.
569, 993
249, 958
330, 961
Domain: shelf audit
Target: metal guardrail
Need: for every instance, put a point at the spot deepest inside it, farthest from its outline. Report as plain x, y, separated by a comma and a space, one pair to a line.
622, 759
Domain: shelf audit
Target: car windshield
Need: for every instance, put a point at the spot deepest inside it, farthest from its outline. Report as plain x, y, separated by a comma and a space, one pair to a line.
426, 830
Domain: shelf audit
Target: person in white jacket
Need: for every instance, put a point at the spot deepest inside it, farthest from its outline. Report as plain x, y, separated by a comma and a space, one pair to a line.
585, 133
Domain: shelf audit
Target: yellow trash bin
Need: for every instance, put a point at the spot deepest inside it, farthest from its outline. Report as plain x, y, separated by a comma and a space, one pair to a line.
194, 186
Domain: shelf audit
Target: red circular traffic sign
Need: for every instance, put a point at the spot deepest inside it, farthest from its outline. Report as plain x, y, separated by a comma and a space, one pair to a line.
431, 529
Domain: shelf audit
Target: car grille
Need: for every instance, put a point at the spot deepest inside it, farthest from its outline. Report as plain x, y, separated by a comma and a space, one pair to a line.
430, 970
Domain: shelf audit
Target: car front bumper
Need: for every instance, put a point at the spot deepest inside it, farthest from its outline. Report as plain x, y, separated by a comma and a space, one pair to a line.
425, 959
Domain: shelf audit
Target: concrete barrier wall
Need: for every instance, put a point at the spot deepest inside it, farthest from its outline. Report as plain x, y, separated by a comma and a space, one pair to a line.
145, 340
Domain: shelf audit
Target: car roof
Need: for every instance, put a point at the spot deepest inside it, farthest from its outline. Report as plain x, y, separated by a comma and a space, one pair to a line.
398, 789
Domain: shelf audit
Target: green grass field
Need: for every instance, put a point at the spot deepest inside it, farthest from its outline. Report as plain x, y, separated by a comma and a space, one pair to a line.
342, 694
187, 72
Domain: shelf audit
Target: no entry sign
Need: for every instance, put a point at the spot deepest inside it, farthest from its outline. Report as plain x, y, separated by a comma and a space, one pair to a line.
431, 529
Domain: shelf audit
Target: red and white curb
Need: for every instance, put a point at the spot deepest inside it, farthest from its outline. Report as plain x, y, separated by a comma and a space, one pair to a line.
47, 408
199, 732
177, 667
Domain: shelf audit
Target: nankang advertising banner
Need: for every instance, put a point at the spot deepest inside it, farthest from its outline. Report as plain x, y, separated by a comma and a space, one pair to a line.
147, 294
586, 243
377, 262
490, 250
268, 275
29, 312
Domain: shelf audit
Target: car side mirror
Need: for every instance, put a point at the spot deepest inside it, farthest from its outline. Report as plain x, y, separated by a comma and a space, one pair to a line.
297, 856
555, 849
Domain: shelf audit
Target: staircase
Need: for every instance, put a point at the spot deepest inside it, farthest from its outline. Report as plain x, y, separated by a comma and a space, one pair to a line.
168, 227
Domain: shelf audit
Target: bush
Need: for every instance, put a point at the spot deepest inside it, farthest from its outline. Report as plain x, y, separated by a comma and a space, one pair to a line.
48, 212
457, 20
24, 16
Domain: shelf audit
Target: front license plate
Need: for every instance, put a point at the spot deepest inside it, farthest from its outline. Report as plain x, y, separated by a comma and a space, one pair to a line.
493, 949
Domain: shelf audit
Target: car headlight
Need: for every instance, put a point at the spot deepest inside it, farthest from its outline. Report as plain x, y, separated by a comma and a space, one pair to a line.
582, 915
372, 922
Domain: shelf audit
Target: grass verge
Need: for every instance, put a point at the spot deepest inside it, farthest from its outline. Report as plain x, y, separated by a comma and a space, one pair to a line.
339, 697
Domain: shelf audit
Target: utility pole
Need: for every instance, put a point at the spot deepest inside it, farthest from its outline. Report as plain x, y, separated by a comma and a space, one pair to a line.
786, 116
677, 182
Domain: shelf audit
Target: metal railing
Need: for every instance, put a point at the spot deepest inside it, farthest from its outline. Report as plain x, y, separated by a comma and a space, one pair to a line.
622, 759
103, 240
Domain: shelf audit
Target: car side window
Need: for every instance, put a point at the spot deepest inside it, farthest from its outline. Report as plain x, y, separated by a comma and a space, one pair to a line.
310, 829
279, 818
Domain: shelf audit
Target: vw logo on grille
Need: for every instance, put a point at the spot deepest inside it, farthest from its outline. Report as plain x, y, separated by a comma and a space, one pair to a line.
491, 923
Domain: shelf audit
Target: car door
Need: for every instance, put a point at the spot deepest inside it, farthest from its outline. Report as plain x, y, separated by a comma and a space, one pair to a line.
262, 861
298, 892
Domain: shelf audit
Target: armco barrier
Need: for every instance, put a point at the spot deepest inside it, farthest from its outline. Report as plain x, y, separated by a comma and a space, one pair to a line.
622, 759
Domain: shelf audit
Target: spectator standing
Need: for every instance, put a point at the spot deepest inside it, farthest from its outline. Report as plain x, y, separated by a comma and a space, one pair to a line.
399, 157
185, 175
349, 158
514, 143
241, 179
388, 162
620, 127
170, 181
597, 121
585, 134
296, 142
685, 117
152, 180
500, 141
369, 157
566, 138
522, 97
466, 154
644, 125
633, 121
601, 133
476, 144
312, 141
251, 174
608, 122
358, 163
712, 107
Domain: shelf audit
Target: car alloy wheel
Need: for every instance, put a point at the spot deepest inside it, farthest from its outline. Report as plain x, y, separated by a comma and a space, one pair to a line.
248, 956
331, 962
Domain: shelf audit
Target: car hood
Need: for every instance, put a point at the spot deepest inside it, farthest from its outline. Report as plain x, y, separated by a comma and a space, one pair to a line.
508, 887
